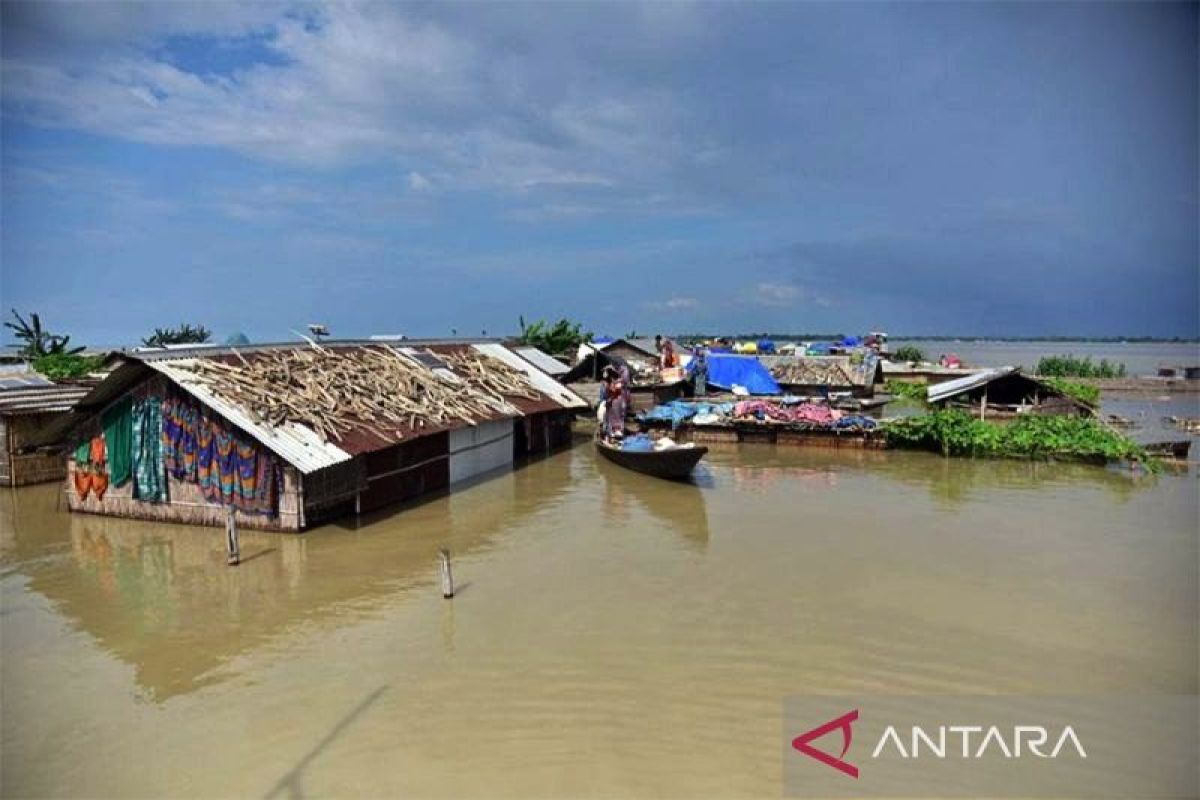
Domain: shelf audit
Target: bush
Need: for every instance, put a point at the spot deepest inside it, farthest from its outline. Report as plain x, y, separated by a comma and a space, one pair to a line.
908, 391
1088, 395
955, 433
63, 366
1070, 366
554, 338
908, 353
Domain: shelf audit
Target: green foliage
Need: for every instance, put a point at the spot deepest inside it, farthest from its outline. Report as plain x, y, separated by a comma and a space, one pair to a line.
1084, 393
37, 341
556, 338
63, 366
1070, 366
956, 433
906, 390
908, 353
184, 334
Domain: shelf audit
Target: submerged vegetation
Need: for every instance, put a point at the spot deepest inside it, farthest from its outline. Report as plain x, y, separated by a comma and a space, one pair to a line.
1070, 366
1084, 393
955, 433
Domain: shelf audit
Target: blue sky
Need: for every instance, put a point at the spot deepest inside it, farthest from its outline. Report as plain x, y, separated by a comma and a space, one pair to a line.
1015, 168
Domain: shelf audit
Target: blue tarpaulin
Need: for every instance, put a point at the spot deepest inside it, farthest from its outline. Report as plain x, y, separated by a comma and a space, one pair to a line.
724, 371
766, 346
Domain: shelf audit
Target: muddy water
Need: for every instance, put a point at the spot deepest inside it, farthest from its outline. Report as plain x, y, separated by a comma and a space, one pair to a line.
613, 636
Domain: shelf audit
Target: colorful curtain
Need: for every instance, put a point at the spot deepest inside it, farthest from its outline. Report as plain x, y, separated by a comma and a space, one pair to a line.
149, 480
117, 421
229, 468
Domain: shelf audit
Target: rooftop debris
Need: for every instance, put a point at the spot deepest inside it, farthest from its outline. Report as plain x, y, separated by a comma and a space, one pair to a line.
812, 372
373, 388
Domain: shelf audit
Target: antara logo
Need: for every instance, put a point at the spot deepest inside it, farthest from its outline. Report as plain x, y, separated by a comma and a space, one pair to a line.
1021, 741
802, 743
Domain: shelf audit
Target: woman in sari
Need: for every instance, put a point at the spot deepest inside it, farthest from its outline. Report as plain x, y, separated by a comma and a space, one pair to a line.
616, 394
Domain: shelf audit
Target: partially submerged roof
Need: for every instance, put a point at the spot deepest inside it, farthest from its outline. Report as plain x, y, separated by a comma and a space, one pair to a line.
31, 393
555, 391
299, 444
841, 370
944, 391
542, 360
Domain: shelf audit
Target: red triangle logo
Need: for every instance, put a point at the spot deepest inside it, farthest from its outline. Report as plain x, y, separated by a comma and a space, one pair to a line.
804, 740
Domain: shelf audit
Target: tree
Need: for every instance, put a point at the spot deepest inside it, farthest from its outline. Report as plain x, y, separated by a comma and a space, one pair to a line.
37, 341
184, 334
908, 353
554, 339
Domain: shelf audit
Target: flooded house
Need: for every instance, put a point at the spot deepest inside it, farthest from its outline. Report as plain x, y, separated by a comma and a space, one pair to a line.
29, 404
855, 375
292, 435
1003, 393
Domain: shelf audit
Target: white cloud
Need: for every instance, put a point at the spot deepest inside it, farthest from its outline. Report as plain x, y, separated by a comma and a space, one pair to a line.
418, 182
674, 304
354, 84
776, 294
784, 295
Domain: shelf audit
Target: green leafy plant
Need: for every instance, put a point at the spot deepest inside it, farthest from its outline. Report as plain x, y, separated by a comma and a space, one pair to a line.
953, 432
36, 340
184, 334
64, 366
1084, 393
555, 338
1070, 366
908, 391
908, 353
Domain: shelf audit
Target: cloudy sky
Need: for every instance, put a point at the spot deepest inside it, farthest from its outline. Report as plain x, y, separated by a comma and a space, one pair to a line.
1016, 168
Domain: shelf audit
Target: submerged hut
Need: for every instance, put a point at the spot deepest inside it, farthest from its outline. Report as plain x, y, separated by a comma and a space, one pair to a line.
857, 374
29, 405
1002, 393
292, 435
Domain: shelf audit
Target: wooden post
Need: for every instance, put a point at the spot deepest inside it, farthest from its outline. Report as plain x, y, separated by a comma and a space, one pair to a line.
447, 575
983, 404
231, 537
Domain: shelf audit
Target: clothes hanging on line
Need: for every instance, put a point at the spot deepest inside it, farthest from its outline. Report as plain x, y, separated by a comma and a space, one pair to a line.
117, 421
149, 479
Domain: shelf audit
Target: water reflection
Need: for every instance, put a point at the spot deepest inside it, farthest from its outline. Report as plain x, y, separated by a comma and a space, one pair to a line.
161, 598
678, 506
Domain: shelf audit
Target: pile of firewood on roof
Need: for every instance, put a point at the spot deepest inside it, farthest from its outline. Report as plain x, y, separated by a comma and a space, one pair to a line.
372, 388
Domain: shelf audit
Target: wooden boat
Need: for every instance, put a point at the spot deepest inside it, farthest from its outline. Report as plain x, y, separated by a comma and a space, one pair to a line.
675, 463
1176, 449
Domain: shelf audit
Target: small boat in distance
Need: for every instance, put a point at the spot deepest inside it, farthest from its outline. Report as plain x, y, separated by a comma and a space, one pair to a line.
672, 463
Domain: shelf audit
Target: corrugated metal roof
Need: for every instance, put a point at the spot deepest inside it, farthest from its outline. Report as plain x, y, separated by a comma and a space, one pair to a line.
543, 361
296, 444
38, 396
554, 390
943, 391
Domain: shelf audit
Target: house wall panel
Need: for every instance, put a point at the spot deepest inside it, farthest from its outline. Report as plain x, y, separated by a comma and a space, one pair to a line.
479, 449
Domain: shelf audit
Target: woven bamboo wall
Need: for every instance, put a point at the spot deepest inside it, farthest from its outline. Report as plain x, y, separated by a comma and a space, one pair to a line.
187, 504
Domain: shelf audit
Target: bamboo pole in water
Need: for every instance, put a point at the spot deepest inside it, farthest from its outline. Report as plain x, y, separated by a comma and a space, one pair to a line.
447, 575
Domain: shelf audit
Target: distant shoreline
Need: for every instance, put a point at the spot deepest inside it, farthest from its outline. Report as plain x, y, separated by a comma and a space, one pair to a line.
949, 338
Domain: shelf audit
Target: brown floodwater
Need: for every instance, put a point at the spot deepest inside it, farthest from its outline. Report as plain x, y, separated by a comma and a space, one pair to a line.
613, 635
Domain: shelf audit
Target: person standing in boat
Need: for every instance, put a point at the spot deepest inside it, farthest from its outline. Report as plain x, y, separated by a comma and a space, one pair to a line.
616, 399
